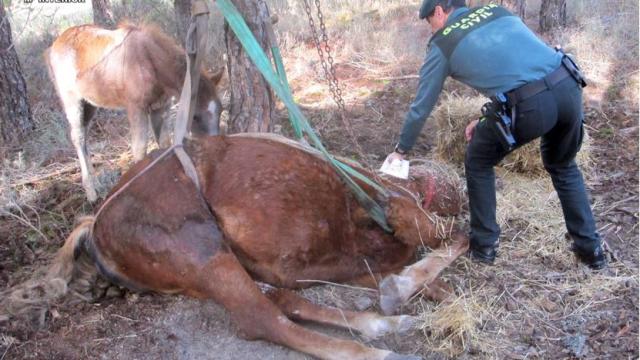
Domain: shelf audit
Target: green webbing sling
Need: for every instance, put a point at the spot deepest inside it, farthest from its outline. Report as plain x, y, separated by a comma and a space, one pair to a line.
300, 124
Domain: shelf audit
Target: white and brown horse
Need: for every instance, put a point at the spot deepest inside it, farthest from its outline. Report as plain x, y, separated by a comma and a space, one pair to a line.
268, 211
134, 68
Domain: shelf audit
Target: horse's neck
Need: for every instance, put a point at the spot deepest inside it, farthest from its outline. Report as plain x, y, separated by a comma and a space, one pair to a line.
176, 76
172, 75
169, 63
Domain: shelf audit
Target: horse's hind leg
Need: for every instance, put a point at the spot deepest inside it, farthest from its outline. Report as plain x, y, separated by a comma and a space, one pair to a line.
228, 283
139, 128
369, 324
79, 114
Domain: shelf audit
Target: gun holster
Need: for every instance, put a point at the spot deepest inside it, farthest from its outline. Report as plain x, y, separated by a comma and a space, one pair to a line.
497, 113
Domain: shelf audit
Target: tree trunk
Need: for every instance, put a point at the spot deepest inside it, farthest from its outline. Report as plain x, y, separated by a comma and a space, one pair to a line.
252, 107
516, 6
102, 14
553, 14
15, 115
182, 11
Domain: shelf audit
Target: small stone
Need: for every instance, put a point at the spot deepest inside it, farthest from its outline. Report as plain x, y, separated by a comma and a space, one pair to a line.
113, 291
547, 305
363, 303
575, 344
511, 305
55, 314
133, 297
532, 352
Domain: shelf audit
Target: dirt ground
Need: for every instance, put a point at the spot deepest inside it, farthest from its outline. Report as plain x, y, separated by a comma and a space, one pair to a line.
149, 326
534, 303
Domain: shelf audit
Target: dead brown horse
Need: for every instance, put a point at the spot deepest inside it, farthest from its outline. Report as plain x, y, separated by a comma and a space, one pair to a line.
134, 68
268, 211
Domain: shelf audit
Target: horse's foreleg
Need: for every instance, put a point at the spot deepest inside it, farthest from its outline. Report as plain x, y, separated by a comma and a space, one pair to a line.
74, 108
160, 126
139, 127
369, 324
228, 283
395, 290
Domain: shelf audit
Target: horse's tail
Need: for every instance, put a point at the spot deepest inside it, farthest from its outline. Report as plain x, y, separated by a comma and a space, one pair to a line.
33, 298
47, 60
52, 74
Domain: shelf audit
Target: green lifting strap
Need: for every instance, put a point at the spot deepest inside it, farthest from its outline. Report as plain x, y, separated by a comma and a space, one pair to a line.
277, 58
300, 124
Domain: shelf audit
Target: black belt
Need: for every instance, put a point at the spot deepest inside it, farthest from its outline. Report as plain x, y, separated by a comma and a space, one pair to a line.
546, 83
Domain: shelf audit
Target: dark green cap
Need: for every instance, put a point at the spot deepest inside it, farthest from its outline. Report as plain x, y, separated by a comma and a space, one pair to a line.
427, 7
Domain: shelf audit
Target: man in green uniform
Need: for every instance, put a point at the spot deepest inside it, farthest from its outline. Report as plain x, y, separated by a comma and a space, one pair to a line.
535, 90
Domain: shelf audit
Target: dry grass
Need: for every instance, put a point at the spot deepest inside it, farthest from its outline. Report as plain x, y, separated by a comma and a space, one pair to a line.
452, 116
354, 31
452, 327
606, 46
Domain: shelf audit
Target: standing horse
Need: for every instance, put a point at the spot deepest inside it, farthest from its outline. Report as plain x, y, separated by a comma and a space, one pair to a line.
134, 68
268, 211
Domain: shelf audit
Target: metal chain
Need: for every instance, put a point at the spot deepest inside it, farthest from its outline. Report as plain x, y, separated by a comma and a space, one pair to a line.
316, 40
330, 73
327, 64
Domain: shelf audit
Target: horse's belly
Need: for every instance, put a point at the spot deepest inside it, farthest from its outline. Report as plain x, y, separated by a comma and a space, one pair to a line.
286, 213
109, 95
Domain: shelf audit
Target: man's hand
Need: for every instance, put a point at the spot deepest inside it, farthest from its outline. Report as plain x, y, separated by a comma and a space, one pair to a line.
469, 130
394, 156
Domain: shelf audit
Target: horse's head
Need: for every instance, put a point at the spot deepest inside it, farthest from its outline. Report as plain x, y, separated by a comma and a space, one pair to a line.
412, 205
206, 118
432, 189
437, 188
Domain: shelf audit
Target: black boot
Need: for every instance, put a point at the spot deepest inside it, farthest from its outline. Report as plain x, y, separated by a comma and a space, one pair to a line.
595, 259
483, 254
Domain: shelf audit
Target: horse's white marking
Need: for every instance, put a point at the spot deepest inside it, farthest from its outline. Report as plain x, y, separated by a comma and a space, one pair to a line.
406, 285
64, 69
380, 326
376, 328
212, 108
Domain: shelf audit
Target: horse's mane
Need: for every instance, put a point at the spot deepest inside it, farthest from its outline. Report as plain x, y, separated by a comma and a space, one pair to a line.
164, 52
154, 31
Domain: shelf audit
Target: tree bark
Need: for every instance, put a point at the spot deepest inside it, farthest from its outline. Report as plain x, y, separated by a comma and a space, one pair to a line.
517, 6
102, 14
182, 12
15, 114
252, 107
553, 14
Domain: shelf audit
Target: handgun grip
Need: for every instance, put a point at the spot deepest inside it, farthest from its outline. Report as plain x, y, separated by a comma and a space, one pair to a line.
506, 138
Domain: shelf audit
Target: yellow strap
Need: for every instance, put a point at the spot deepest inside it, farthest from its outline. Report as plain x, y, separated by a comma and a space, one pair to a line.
195, 46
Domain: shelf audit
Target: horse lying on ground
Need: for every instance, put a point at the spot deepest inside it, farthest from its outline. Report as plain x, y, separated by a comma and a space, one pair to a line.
268, 211
134, 68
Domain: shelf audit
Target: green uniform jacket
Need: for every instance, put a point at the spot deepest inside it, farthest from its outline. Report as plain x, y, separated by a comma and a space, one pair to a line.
496, 57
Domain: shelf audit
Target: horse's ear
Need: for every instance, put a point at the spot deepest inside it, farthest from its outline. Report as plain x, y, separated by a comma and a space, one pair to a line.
214, 75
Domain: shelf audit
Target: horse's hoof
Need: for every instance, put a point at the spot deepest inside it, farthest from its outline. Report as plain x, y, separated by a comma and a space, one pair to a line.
405, 323
389, 324
392, 294
394, 356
